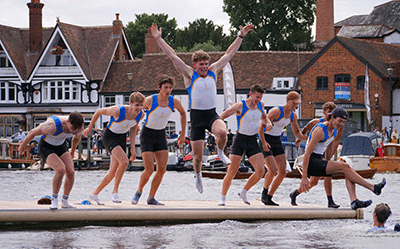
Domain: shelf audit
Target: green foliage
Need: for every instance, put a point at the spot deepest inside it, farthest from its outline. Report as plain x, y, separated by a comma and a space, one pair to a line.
137, 30
201, 31
278, 24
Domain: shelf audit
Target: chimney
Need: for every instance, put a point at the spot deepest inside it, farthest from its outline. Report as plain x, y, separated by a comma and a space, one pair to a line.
325, 30
151, 45
35, 25
117, 26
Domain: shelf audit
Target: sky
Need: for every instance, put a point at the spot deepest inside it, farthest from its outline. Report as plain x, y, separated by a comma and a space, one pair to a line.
102, 12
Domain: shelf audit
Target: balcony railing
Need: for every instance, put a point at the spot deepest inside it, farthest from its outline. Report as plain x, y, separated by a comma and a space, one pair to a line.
59, 70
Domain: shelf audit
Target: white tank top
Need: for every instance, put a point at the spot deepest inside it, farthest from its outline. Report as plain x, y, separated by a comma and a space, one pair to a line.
249, 120
157, 117
280, 123
321, 146
59, 137
123, 125
203, 91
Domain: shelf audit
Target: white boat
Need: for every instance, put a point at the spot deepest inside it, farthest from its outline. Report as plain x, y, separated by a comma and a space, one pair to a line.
358, 148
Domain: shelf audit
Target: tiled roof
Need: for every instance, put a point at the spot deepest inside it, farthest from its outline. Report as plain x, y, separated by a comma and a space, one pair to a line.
363, 31
387, 14
16, 43
93, 47
378, 55
249, 67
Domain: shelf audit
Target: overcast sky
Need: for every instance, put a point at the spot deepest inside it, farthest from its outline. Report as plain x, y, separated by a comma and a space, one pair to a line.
102, 12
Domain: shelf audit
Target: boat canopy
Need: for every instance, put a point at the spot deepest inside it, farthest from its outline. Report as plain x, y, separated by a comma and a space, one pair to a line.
361, 143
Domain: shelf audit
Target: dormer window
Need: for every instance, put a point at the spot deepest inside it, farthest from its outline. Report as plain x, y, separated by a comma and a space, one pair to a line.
4, 61
283, 83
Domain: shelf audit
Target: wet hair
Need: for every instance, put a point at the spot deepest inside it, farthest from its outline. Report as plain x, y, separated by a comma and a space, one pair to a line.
382, 212
329, 106
76, 120
200, 56
256, 88
164, 80
136, 97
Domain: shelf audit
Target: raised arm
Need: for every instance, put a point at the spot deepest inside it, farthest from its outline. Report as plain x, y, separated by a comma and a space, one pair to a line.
231, 51
182, 68
182, 112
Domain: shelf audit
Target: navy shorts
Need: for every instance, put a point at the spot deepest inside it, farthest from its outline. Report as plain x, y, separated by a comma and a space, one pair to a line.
276, 146
317, 165
112, 140
152, 140
245, 144
45, 149
201, 120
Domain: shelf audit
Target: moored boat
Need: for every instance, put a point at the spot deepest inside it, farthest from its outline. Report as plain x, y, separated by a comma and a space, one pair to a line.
389, 160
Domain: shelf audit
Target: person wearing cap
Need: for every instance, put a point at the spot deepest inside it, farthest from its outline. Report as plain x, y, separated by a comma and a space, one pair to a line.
21, 136
271, 143
327, 109
324, 138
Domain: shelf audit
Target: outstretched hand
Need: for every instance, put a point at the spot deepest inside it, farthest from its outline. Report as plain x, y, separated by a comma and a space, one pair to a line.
246, 29
155, 31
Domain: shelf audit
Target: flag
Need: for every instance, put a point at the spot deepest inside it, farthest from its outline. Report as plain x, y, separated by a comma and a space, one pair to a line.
366, 96
229, 86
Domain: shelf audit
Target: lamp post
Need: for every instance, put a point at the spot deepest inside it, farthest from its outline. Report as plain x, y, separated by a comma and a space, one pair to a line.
130, 78
390, 73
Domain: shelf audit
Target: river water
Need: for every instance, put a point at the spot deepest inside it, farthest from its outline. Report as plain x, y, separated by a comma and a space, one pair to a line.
32, 185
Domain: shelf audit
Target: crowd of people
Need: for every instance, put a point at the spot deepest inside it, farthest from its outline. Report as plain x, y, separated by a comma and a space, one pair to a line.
200, 79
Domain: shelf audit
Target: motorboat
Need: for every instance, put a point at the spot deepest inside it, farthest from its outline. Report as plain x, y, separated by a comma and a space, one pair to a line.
388, 160
359, 148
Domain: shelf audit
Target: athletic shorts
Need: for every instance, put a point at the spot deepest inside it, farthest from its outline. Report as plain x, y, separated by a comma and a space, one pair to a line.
112, 140
245, 144
317, 165
152, 140
201, 120
45, 149
276, 146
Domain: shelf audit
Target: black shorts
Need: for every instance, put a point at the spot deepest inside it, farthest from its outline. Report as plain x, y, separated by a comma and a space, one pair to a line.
152, 140
317, 165
45, 149
201, 120
245, 144
276, 146
112, 140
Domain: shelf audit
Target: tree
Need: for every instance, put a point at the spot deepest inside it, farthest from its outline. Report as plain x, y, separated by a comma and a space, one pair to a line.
137, 30
278, 24
201, 31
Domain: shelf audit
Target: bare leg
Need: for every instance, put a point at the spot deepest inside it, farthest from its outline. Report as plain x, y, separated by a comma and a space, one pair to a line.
197, 150
272, 170
69, 172
281, 162
258, 165
162, 160
123, 162
148, 160
231, 172
59, 171
218, 128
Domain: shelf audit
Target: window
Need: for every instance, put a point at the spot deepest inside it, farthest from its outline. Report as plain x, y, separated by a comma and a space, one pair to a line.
9, 125
58, 91
109, 101
126, 100
342, 86
8, 92
170, 128
322, 83
4, 62
360, 82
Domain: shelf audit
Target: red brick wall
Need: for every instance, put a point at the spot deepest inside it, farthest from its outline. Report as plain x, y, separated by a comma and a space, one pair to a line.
325, 30
35, 25
338, 60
